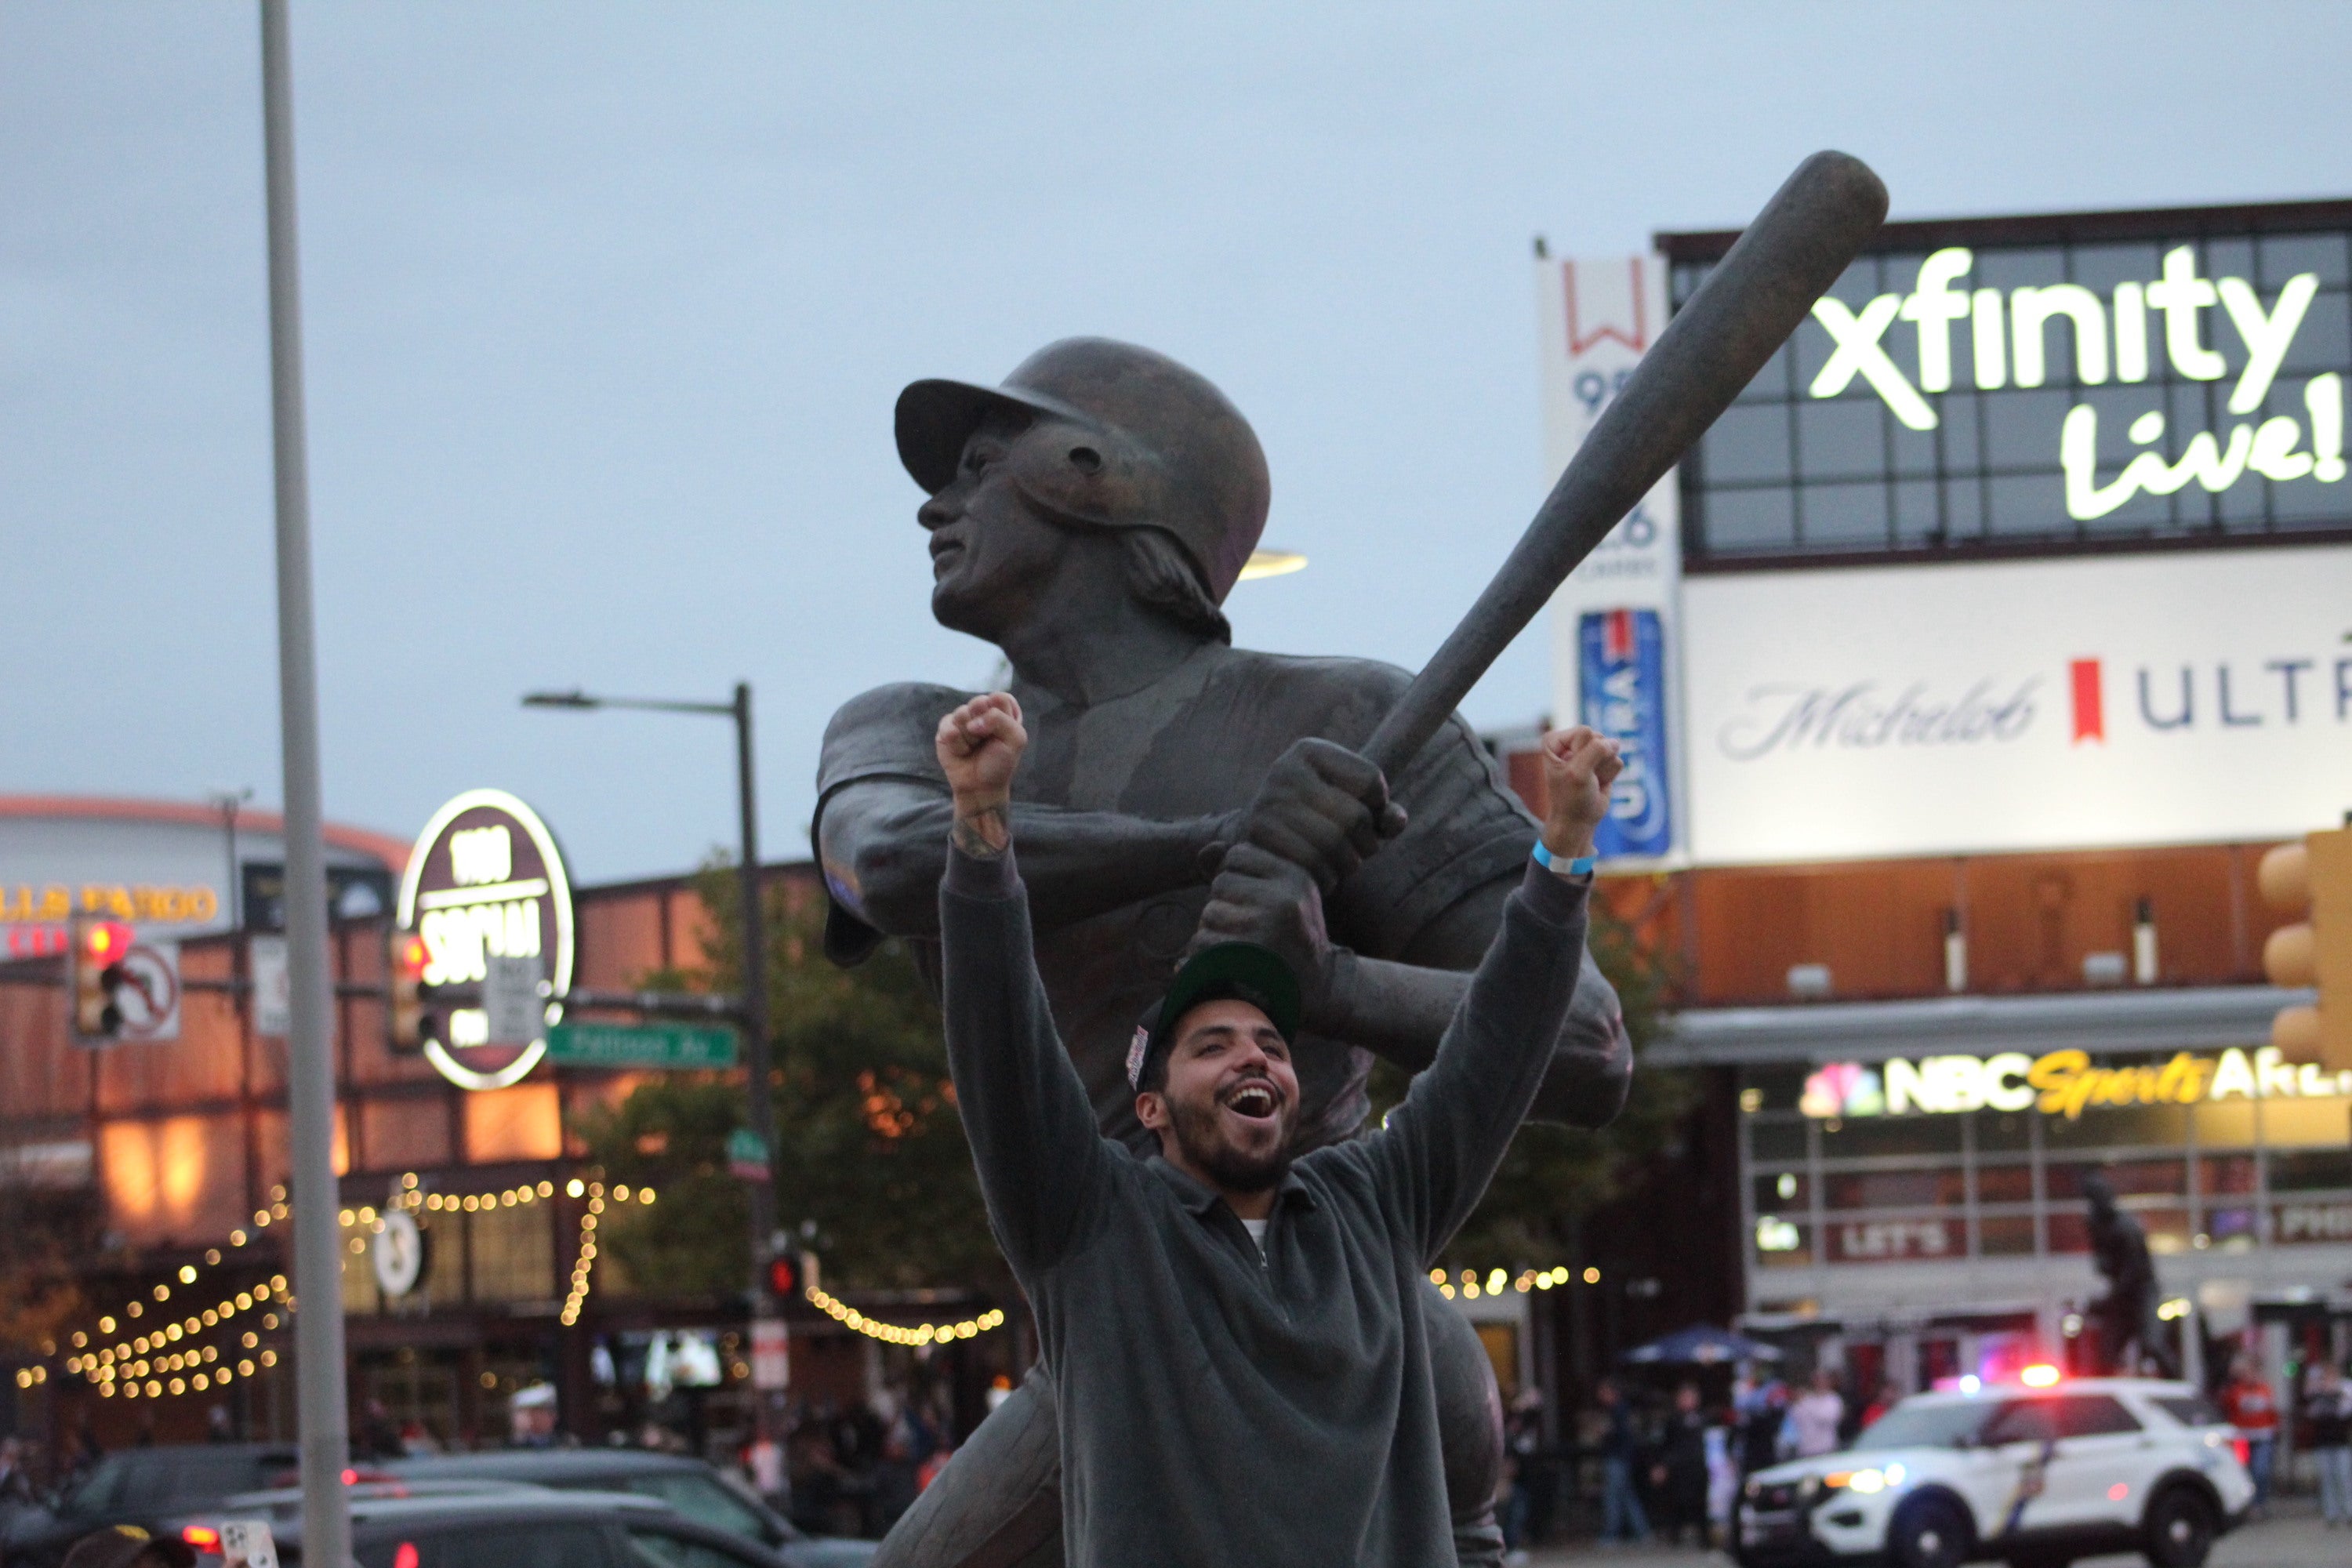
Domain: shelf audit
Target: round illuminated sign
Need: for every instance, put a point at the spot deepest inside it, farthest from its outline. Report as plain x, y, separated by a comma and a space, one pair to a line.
398, 1255
486, 881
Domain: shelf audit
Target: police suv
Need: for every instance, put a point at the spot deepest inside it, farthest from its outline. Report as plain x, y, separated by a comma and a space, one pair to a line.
2035, 1476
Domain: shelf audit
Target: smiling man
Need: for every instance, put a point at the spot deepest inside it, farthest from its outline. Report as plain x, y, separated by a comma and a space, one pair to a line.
1239, 1343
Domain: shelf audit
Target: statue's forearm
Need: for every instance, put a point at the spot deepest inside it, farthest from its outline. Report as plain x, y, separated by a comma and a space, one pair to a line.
1076, 864
1401, 1011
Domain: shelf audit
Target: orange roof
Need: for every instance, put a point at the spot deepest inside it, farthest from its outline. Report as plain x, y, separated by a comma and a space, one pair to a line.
393, 852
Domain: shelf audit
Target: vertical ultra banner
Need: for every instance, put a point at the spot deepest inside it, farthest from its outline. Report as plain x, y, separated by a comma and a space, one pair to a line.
1615, 620
486, 882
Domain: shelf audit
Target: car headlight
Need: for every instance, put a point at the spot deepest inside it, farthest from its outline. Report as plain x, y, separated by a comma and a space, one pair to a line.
1862, 1482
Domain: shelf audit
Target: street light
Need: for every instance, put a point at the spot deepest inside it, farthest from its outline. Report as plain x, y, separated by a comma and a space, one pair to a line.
755, 968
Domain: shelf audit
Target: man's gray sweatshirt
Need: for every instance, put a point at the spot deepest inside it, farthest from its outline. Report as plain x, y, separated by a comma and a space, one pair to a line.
1222, 1406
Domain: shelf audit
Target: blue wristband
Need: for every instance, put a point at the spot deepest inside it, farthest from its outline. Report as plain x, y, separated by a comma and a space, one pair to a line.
1581, 867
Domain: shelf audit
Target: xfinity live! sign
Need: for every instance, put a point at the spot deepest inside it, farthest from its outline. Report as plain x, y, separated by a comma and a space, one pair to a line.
2218, 330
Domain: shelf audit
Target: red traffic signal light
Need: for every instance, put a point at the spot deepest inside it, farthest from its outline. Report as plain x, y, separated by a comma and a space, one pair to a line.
784, 1275
406, 960
94, 955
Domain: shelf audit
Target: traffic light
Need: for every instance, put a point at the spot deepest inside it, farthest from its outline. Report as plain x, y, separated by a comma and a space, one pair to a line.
411, 1025
2314, 880
94, 954
784, 1275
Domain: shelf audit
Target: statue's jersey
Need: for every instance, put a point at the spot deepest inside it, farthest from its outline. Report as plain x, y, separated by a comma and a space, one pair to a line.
1197, 742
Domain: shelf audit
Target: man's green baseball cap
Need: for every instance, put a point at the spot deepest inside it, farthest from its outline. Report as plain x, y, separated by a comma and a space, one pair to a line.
1238, 971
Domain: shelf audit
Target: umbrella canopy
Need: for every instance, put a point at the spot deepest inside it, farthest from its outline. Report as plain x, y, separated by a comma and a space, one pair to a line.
1701, 1346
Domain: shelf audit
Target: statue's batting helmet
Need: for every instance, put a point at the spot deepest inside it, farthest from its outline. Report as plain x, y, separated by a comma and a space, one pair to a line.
1150, 444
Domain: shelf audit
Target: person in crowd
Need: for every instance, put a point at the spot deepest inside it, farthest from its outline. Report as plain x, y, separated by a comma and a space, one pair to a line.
2252, 1409
127, 1546
1621, 1516
1886, 1401
1762, 1417
2328, 1406
1237, 1341
1722, 1480
1815, 1416
1678, 1472
1522, 1448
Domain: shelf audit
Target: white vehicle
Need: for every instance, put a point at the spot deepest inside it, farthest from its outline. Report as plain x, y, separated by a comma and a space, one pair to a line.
2036, 1477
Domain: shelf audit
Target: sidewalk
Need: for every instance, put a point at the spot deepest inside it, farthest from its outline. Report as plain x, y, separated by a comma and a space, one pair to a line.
2292, 1537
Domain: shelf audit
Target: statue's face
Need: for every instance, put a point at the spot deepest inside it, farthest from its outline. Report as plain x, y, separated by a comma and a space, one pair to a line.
994, 559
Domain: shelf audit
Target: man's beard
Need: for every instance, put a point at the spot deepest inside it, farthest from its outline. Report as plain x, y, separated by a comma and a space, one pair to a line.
1198, 1138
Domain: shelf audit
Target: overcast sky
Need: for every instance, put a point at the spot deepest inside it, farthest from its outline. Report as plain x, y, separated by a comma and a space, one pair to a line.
606, 307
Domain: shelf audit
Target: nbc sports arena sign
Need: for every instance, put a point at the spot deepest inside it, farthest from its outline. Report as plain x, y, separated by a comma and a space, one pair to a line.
2062, 1083
485, 884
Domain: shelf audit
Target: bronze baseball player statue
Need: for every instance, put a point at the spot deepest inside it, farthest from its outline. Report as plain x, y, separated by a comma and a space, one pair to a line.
1088, 518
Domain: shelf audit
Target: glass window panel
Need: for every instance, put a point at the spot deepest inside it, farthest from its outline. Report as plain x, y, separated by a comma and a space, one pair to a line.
1858, 283
2005, 1183
2005, 1236
2005, 1131
1894, 1189
2025, 505
2321, 1220
1959, 421
1776, 381
2302, 1171
2323, 341
2036, 266
2225, 1174
2243, 508
1781, 1189
1777, 1089
2229, 1226
2099, 267
2285, 255
1748, 444
2128, 1178
2021, 428
1776, 1140
1840, 439
2168, 1229
1963, 509
1915, 452
2093, 1416
2116, 408
513, 1254
2069, 1232
1917, 518
1845, 514
2230, 258
1866, 1138
1749, 522
1783, 1244
2308, 1124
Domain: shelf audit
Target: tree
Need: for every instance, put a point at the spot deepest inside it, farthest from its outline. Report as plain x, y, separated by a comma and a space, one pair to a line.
871, 1150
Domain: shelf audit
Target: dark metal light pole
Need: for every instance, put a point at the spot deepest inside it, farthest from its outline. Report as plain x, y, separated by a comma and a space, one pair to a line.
755, 946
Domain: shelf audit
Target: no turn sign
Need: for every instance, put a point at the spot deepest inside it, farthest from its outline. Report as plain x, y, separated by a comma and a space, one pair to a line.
148, 994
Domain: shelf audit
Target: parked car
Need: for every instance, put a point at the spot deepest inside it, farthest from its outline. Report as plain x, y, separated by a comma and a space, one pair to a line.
2036, 1476
532, 1527
692, 1488
155, 1489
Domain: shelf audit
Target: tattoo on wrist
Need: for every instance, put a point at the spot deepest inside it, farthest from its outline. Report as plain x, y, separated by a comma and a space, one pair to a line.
982, 831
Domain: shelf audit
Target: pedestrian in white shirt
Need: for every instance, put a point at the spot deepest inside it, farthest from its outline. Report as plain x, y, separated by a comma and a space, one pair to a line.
1814, 1419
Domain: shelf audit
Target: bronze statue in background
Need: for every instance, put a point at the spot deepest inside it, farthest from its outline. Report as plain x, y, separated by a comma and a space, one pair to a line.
1088, 518
2128, 1335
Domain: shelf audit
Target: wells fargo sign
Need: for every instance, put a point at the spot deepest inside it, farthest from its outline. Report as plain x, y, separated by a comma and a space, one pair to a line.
2060, 1083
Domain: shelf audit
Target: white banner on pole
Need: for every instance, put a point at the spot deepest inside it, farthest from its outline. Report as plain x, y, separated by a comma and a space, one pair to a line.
513, 996
1616, 659
273, 994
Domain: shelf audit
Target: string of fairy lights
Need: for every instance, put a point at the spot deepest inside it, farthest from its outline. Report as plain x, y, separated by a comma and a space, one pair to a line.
1468, 1286
849, 1316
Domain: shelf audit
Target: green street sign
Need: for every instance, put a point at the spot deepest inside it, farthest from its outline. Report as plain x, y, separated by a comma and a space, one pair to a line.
640, 1045
747, 1157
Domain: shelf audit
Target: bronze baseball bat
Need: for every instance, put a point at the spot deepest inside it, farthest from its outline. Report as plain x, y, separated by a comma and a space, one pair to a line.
1806, 234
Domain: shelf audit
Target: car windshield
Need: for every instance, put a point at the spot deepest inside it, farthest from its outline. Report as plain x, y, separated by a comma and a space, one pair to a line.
1938, 1426
705, 1501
